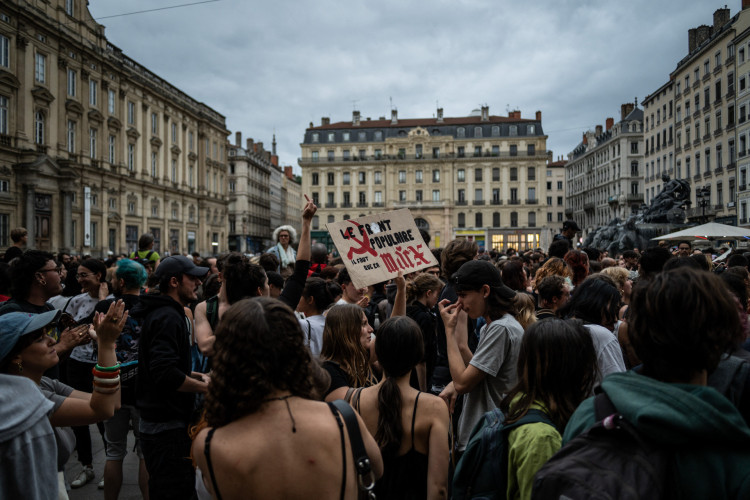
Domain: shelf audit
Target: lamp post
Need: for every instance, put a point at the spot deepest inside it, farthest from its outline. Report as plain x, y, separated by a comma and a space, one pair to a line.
704, 196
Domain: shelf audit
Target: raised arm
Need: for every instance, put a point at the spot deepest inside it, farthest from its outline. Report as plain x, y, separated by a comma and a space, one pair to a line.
82, 408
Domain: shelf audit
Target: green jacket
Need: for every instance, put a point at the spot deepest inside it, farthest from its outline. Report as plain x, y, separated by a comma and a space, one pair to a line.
713, 460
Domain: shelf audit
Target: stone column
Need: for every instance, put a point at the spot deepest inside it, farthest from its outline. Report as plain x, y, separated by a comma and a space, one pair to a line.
30, 213
67, 219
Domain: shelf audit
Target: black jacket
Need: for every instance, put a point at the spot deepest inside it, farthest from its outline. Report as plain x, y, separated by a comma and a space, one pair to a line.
163, 360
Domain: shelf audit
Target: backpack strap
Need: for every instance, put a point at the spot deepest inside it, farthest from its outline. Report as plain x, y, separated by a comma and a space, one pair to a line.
309, 332
148, 255
362, 465
212, 311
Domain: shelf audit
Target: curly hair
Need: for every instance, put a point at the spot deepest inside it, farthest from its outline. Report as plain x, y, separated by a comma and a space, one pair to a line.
619, 275
22, 270
259, 349
578, 262
241, 278
557, 366
554, 266
420, 285
682, 322
341, 343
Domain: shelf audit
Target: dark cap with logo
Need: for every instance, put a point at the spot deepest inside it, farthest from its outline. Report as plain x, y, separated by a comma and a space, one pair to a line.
477, 273
571, 224
179, 264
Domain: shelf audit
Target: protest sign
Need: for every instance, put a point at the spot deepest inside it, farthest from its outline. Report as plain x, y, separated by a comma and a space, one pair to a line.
376, 247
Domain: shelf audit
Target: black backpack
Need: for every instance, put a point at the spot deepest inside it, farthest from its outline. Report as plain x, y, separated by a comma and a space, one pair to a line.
482, 471
141, 260
611, 460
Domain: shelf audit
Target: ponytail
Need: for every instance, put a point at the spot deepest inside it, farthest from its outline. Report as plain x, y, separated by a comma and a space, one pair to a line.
420, 285
390, 427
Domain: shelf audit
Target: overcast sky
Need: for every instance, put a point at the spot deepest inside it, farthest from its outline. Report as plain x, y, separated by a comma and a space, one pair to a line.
281, 64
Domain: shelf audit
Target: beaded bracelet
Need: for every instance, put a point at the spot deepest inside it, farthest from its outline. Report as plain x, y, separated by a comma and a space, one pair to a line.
107, 391
99, 373
108, 381
108, 368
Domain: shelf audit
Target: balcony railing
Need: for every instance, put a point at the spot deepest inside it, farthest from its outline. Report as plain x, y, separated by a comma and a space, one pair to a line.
514, 202
443, 156
478, 202
461, 203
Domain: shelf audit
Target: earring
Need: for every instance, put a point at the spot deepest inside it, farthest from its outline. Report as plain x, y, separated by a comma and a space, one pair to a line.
20, 367
43, 282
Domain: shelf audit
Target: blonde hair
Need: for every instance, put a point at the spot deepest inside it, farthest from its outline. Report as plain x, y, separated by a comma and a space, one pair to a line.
554, 266
420, 285
525, 309
618, 274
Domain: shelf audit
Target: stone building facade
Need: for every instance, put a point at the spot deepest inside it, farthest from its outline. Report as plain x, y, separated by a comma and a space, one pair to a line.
708, 114
659, 121
479, 177
604, 176
95, 149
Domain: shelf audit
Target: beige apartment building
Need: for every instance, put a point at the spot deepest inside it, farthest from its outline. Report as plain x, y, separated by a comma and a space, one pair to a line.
742, 50
481, 177
604, 172
95, 149
707, 114
658, 126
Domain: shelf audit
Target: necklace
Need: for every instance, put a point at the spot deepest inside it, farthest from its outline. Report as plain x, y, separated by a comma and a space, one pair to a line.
288, 409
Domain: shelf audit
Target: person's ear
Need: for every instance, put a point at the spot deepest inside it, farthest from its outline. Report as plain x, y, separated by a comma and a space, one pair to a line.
174, 282
485, 291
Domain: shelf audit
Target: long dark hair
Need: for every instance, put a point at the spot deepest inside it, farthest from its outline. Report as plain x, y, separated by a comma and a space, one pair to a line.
259, 348
556, 366
400, 348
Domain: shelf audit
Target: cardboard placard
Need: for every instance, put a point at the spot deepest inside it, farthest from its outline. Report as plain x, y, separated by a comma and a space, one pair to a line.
376, 247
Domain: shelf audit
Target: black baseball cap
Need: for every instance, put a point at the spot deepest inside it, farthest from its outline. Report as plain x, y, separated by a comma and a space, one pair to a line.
571, 224
179, 264
477, 273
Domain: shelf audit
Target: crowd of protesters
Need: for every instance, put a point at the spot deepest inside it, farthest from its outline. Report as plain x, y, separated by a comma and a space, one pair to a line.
224, 368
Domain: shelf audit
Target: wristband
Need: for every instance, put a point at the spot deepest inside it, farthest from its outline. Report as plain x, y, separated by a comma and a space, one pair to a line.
108, 381
108, 368
106, 391
101, 374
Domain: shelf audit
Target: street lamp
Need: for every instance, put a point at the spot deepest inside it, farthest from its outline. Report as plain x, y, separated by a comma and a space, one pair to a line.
704, 196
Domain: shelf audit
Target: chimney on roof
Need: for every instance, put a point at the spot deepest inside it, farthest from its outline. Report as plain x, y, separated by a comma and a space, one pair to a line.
610, 123
538, 116
692, 33
598, 130
288, 172
516, 115
355, 118
585, 139
259, 146
250, 144
238, 139
325, 121
721, 17
440, 112
485, 113
267, 156
311, 125
273, 159
394, 116
702, 34
626, 109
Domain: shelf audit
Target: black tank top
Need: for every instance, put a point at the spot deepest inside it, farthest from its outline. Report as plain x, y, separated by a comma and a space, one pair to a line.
404, 476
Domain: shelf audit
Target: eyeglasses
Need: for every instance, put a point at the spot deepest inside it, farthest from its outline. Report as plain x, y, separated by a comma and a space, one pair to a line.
684, 248
82, 275
56, 269
283, 236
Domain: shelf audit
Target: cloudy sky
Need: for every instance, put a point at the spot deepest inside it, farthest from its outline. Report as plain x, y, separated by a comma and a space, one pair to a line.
282, 64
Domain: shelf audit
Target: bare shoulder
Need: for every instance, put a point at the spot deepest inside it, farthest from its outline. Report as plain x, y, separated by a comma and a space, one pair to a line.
435, 406
200, 309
